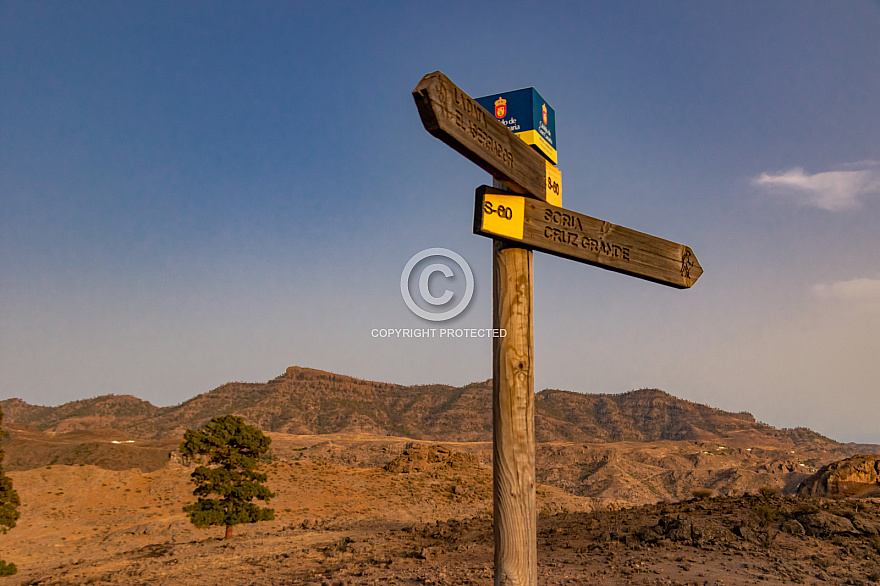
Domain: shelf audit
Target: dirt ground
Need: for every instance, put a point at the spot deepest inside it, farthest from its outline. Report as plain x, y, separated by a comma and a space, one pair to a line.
425, 518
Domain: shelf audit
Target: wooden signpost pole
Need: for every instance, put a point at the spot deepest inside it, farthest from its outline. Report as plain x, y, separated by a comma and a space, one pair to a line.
523, 213
513, 418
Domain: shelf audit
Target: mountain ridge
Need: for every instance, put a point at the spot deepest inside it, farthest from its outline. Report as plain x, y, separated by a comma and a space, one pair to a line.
310, 401
636, 447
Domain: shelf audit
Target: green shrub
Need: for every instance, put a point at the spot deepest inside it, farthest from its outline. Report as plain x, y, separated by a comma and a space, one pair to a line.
766, 513
9, 502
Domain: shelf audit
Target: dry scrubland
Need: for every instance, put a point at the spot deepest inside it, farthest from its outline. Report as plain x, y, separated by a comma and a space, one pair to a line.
387, 484
424, 517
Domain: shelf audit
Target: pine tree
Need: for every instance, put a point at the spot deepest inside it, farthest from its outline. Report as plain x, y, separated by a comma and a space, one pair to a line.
9, 502
229, 451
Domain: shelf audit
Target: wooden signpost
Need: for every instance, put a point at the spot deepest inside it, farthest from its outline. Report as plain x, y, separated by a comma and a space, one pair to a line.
521, 213
458, 120
541, 226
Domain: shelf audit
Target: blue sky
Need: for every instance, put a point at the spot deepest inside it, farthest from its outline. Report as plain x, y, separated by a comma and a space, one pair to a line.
194, 193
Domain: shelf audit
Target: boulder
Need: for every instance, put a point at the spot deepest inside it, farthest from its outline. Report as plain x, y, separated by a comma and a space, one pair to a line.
696, 531
427, 458
825, 524
856, 476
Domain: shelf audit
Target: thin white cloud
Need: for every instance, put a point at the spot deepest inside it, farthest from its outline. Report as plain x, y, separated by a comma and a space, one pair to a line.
866, 164
830, 190
856, 292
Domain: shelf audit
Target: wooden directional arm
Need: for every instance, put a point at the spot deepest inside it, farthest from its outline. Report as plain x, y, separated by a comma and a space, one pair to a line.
455, 118
555, 230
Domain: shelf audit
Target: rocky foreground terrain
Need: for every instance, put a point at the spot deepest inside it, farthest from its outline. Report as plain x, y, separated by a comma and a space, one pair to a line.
422, 518
384, 484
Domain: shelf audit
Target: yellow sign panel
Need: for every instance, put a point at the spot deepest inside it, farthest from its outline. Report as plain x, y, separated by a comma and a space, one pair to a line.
504, 215
554, 185
533, 138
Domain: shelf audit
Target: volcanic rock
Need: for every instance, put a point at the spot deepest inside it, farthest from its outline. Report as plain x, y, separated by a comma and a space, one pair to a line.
855, 476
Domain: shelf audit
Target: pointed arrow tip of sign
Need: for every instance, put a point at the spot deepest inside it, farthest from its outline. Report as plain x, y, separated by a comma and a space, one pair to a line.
690, 266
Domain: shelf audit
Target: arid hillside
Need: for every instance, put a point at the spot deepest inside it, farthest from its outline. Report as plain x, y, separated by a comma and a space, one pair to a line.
636, 447
307, 401
387, 484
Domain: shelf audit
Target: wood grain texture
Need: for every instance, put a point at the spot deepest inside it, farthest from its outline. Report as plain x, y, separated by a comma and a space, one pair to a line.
455, 118
595, 242
513, 411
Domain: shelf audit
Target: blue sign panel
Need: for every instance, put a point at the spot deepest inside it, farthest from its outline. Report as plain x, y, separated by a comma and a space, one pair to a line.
528, 116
